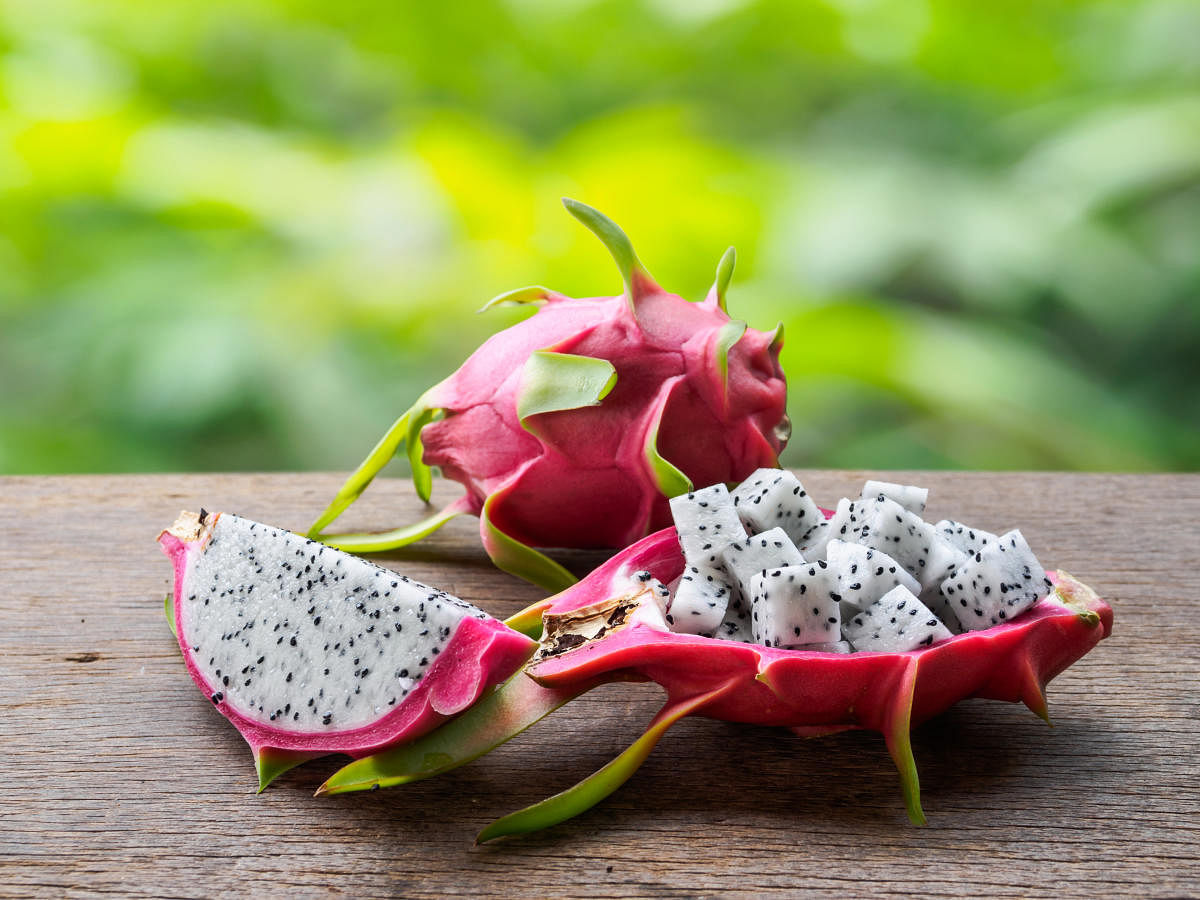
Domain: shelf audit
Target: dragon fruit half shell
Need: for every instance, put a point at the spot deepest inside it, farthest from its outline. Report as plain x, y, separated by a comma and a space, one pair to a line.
597, 632
573, 427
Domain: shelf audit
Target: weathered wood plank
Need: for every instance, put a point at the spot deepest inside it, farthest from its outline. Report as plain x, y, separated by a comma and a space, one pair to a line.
118, 778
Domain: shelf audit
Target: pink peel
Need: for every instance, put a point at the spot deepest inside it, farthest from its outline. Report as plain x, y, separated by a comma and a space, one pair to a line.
479, 654
811, 693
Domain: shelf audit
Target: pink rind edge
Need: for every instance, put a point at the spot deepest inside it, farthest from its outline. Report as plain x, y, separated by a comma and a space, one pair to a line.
481, 653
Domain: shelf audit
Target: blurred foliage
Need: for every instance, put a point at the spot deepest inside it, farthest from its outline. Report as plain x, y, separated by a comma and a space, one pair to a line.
244, 235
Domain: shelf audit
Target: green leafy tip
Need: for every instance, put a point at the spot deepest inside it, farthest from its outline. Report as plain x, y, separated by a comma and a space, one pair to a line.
670, 479
405, 430
731, 332
552, 382
380, 541
587, 793
776, 342
617, 242
515, 558
380, 455
899, 743
724, 274
169, 609
271, 763
494, 719
422, 475
532, 294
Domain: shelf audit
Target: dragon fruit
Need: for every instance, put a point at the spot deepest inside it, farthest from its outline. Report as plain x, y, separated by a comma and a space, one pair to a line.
864, 575
912, 542
775, 498
999, 582
811, 691
795, 605
768, 550
896, 622
909, 496
967, 539
700, 601
610, 405
309, 651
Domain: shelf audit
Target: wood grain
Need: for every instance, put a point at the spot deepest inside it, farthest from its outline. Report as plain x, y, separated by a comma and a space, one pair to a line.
120, 779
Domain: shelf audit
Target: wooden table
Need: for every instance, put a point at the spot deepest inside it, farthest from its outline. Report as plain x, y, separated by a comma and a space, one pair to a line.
119, 778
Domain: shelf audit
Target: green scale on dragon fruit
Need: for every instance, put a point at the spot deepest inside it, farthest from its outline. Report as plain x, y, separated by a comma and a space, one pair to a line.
908, 539
775, 498
998, 583
309, 651
895, 623
909, 496
741, 560
864, 575
795, 605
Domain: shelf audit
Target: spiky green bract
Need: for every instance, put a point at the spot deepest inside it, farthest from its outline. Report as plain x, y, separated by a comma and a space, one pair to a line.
535, 293
381, 541
670, 480
574, 427
169, 609
730, 334
591, 790
552, 382
270, 763
633, 273
724, 274
516, 558
498, 717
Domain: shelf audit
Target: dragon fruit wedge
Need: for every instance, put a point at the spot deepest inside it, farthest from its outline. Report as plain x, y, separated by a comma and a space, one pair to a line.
609, 405
608, 628
309, 651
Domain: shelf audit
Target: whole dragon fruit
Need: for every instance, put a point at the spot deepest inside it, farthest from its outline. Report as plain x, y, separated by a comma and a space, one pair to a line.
573, 427
310, 651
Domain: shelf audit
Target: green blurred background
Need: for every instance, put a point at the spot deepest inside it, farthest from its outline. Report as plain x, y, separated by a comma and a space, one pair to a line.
245, 235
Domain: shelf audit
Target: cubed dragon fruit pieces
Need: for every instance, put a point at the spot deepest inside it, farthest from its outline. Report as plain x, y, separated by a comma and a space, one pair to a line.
967, 539
997, 584
895, 623
864, 575
939, 604
736, 628
909, 496
795, 605
769, 550
909, 540
844, 525
775, 498
700, 601
659, 592
706, 522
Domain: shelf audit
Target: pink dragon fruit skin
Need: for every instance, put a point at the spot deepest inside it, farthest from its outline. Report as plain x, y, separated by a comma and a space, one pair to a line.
812, 693
480, 653
573, 427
